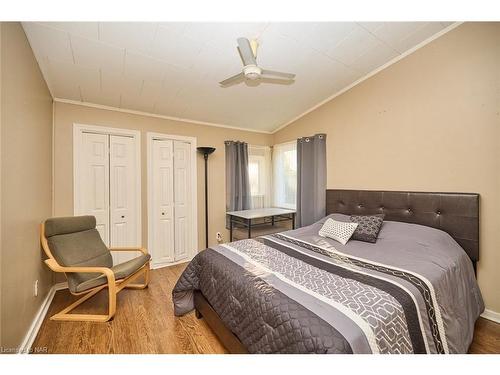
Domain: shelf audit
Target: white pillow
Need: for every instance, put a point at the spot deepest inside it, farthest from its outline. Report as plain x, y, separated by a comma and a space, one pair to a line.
338, 230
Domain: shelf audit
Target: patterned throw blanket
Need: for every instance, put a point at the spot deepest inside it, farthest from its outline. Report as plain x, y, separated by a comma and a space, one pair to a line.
281, 294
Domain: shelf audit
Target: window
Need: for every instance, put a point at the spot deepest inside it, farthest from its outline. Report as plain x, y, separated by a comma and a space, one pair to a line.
256, 169
273, 182
285, 175
259, 171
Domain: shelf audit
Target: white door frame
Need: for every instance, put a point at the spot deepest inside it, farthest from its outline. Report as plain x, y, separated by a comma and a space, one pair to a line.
151, 136
78, 129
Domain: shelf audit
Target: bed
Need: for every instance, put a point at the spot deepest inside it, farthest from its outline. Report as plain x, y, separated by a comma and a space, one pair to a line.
413, 291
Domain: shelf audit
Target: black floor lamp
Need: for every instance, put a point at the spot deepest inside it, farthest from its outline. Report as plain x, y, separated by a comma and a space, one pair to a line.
206, 151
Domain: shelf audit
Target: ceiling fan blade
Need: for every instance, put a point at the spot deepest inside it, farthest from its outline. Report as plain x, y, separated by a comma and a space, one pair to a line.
240, 77
276, 81
274, 74
246, 52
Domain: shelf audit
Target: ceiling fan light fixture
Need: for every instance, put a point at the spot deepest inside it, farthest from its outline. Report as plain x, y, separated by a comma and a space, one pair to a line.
252, 72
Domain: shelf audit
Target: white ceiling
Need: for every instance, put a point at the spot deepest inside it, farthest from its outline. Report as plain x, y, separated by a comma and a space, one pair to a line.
173, 69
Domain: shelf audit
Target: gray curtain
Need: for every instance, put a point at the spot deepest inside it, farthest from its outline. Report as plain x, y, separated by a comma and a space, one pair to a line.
311, 179
237, 182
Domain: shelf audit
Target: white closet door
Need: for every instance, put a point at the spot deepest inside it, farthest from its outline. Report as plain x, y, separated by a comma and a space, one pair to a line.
163, 201
94, 182
122, 181
182, 196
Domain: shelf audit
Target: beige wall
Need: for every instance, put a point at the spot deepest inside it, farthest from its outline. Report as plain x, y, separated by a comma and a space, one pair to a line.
26, 182
67, 114
430, 122
0, 183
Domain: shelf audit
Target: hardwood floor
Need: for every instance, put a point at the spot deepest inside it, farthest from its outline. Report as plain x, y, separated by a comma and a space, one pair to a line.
145, 323
486, 337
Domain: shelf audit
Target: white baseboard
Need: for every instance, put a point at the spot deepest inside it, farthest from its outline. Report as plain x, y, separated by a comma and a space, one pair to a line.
162, 265
26, 345
30, 337
491, 315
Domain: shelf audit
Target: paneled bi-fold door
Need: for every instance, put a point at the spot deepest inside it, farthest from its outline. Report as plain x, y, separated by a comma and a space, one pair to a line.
172, 204
163, 202
107, 180
182, 199
122, 182
93, 181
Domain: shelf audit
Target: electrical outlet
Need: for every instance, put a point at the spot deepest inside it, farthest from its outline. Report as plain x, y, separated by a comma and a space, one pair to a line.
35, 289
218, 236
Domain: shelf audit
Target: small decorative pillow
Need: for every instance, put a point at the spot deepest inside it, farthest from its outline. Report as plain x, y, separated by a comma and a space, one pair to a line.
338, 230
368, 228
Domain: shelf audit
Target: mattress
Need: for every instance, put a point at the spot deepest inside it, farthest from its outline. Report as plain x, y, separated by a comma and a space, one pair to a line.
413, 291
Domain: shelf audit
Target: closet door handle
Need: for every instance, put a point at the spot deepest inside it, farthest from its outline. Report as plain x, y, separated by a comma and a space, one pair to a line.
163, 213
123, 216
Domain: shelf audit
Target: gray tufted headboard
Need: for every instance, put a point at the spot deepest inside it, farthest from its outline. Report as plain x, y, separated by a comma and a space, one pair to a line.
455, 213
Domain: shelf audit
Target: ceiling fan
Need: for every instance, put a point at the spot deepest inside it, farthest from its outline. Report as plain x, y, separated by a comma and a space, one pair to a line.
251, 71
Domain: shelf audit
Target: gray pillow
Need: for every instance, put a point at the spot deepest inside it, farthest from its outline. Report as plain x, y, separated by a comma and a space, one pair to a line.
368, 227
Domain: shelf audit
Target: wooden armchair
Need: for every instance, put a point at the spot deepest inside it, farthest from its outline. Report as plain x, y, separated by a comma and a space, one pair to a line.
73, 246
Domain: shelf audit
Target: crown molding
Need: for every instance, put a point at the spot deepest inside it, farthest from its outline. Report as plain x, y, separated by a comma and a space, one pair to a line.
149, 114
372, 73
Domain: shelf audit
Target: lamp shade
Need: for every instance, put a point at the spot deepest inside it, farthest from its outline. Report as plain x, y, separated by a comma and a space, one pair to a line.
206, 150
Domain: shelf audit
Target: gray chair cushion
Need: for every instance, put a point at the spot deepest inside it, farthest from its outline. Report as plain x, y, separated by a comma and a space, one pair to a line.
74, 242
70, 224
80, 249
121, 271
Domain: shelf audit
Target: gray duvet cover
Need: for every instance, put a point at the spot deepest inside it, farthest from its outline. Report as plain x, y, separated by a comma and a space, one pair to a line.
413, 291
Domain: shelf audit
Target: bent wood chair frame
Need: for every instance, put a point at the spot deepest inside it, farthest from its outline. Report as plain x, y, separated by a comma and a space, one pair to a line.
114, 286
